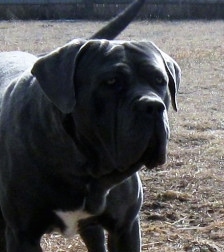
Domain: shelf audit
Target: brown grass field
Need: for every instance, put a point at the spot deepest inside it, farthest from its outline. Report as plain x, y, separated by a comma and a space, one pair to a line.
183, 206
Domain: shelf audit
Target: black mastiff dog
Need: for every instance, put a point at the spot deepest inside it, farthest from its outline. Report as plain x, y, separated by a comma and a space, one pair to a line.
76, 125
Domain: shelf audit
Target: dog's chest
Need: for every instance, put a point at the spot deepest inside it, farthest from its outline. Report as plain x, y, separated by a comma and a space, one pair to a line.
71, 220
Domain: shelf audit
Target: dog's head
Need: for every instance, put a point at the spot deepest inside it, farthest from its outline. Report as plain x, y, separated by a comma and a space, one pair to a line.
118, 95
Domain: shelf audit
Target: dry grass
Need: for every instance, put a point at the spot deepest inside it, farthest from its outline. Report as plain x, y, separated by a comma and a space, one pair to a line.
184, 200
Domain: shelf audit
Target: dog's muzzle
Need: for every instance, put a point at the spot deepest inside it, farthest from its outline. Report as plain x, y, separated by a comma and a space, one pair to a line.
153, 112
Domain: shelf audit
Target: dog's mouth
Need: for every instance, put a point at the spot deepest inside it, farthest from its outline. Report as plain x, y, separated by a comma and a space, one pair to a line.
155, 155
151, 151
156, 151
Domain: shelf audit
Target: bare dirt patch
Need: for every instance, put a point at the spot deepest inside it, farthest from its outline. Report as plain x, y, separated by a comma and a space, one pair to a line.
183, 200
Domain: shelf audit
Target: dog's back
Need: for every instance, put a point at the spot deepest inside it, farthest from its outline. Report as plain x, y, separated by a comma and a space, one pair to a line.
12, 64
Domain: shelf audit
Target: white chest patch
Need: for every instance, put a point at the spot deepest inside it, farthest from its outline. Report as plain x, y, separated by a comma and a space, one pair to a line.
70, 220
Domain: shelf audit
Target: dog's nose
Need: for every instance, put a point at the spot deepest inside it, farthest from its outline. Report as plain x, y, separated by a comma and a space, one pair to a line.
151, 106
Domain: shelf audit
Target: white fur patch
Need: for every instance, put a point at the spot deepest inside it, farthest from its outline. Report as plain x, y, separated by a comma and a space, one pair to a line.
70, 220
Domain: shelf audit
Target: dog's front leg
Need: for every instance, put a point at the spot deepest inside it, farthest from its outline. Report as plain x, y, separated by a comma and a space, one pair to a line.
98, 189
19, 242
127, 238
2, 233
93, 235
96, 197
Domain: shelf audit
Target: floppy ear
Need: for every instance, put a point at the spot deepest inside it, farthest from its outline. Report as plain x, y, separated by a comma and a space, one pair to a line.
174, 73
55, 74
172, 69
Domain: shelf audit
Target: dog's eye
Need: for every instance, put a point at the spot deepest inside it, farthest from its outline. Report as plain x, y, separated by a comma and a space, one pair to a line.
114, 84
159, 80
111, 81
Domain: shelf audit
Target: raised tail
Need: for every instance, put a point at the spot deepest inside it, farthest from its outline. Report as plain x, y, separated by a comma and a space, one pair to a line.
120, 22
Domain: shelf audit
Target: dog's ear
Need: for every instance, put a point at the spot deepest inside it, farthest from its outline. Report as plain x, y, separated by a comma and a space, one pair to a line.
55, 71
171, 67
55, 74
174, 73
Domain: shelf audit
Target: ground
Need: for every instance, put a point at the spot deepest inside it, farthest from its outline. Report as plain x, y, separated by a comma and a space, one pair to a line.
183, 206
